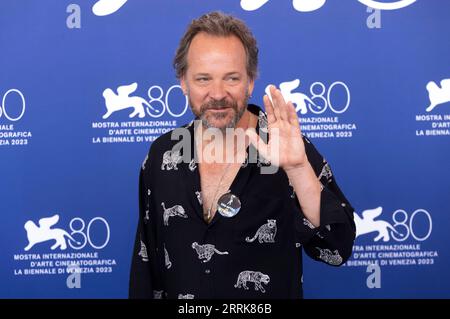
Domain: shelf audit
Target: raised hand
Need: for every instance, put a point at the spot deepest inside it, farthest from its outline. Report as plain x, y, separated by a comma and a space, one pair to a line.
285, 147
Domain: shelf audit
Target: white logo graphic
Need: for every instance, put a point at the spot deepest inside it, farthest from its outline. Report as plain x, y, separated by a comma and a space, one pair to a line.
402, 228
438, 95
297, 98
106, 7
299, 5
251, 5
312, 5
367, 224
387, 6
156, 106
322, 97
307, 5
319, 93
3, 108
116, 102
43, 233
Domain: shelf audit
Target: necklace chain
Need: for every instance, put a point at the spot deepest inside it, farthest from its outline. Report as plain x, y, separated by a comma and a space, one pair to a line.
207, 216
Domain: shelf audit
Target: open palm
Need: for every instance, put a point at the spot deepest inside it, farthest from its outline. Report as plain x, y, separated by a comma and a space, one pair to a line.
285, 147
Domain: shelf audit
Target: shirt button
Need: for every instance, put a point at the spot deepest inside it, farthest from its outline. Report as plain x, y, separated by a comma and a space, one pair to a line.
343, 205
207, 271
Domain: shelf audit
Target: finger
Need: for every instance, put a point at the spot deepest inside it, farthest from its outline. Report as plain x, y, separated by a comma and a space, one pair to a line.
257, 142
280, 104
293, 117
276, 109
269, 109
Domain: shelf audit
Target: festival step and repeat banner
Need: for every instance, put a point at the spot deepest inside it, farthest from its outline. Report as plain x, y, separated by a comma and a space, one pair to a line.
87, 85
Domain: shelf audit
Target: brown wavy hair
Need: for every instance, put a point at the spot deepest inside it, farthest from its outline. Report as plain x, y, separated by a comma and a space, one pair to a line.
221, 25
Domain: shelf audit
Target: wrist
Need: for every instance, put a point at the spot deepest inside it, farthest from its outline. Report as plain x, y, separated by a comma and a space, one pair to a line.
303, 173
298, 168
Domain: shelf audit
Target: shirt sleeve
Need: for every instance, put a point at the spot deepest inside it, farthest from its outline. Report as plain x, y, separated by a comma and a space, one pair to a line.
142, 283
333, 240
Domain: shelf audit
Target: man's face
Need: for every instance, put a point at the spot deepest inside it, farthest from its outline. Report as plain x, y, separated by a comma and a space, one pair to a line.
216, 80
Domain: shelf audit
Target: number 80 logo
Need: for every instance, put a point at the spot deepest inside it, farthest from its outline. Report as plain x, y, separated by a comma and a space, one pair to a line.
78, 232
3, 107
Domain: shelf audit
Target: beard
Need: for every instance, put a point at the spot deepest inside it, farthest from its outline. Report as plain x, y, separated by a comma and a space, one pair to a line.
208, 118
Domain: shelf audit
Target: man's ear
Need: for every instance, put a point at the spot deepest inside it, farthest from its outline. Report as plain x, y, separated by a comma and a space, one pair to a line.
184, 85
251, 86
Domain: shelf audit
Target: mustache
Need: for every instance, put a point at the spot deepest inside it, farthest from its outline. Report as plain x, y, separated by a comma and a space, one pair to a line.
218, 104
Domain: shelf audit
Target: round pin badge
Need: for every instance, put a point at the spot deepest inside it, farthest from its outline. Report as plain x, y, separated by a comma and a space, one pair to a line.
228, 205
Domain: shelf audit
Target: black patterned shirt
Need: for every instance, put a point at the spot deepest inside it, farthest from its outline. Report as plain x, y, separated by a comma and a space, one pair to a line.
255, 254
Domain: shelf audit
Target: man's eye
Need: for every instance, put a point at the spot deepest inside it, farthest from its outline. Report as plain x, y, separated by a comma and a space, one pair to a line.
233, 78
202, 79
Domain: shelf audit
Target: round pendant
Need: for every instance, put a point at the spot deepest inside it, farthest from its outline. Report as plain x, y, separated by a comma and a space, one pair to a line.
228, 205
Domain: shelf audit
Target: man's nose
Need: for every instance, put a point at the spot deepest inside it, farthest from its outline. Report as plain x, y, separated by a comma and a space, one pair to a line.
217, 90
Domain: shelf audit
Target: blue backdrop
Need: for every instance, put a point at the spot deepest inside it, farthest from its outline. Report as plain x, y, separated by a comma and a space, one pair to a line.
372, 88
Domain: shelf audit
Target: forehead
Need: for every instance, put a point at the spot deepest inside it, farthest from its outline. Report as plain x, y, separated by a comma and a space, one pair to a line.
209, 51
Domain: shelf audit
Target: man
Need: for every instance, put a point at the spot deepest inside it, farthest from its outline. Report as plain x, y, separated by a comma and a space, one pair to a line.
213, 223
